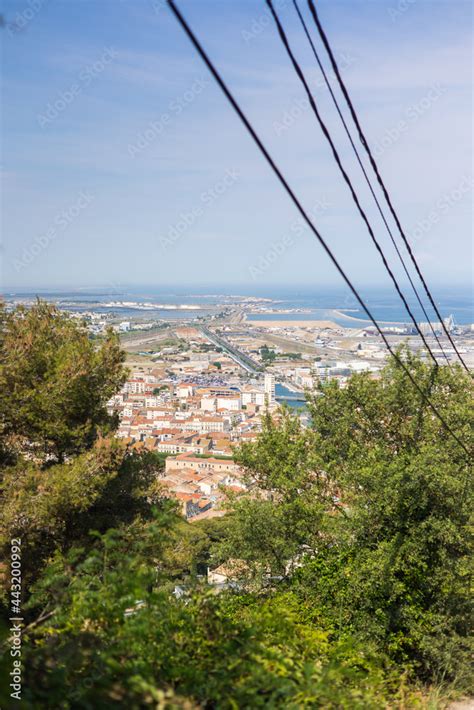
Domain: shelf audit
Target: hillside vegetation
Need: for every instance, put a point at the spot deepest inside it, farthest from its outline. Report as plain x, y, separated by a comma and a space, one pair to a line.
350, 560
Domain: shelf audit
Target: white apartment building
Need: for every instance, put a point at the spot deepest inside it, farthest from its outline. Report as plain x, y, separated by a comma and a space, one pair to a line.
253, 396
134, 387
183, 391
232, 404
208, 404
269, 388
208, 465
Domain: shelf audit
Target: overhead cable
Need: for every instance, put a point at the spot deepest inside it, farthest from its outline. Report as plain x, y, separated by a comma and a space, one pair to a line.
367, 179
345, 175
364, 142
204, 56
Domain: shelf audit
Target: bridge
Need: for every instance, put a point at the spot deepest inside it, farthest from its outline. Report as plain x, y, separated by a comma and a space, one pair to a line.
297, 397
240, 358
290, 395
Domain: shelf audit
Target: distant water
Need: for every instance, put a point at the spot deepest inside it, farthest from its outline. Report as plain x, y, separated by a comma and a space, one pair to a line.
281, 392
385, 306
98, 300
318, 304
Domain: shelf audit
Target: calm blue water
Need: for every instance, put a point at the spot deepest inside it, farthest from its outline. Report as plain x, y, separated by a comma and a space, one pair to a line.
319, 303
282, 391
384, 305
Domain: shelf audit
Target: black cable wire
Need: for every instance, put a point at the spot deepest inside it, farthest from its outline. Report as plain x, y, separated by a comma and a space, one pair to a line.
336, 104
302, 211
344, 174
364, 142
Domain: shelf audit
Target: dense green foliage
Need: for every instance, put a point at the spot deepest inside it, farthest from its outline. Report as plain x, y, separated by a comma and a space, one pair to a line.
349, 558
267, 355
391, 560
122, 638
54, 383
286, 514
60, 477
406, 544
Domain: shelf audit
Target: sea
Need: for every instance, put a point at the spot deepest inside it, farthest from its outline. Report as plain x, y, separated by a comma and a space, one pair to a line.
304, 303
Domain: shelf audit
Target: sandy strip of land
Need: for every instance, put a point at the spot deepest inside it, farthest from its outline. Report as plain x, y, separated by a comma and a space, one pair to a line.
365, 323
292, 324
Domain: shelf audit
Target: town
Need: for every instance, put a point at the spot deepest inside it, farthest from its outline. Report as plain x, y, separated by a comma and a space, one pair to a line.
201, 378
198, 389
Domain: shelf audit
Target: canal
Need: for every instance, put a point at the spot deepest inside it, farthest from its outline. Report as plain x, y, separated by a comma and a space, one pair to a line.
295, 400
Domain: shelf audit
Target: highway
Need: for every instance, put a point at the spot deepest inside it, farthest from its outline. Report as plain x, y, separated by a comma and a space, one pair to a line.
240, 358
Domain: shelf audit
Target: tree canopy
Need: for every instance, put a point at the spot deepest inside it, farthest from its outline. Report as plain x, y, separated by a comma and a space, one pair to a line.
377, 497
54, 382
349, 554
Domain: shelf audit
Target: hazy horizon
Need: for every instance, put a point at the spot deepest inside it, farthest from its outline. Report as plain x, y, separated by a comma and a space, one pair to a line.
226, 288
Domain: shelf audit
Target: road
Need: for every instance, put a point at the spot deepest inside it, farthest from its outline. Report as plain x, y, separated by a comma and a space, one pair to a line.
240, 358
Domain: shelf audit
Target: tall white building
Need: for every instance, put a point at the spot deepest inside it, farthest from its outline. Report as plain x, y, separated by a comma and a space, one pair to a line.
449, 323
269, 388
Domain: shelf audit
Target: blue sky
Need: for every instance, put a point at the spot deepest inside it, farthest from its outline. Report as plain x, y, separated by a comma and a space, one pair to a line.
124, 164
